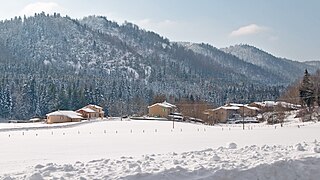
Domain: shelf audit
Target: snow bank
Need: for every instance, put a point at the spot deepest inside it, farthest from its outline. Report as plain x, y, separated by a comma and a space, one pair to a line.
250, 162
154, 150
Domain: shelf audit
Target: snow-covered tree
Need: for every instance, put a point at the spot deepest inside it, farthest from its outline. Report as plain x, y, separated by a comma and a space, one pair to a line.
307, 92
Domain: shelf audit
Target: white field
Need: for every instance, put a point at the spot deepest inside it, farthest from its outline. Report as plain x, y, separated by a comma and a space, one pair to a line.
114, 149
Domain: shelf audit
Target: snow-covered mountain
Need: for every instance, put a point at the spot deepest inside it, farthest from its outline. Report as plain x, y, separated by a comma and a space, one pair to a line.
52, 62
313, 63
226, 59
288, 69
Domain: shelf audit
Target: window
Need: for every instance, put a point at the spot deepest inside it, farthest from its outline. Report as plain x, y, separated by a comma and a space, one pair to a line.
164, 110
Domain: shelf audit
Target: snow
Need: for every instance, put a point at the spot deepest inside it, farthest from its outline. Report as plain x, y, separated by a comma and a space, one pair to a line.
87, 110
252, 108
168, 104
235, 104
46, 62
226, 108
230, 108
163, 104
133, 71
114, 149
70, 114
95, 106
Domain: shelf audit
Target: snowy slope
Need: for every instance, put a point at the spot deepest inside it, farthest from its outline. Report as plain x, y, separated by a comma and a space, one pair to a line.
257, 72
288, 69
153, 150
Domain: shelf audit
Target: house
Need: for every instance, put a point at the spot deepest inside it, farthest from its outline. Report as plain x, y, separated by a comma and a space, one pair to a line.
63, 116
245, 110
91, 111
249, 111
163, 109
268, 106
222, 114
265, 106
230, 111
88, 113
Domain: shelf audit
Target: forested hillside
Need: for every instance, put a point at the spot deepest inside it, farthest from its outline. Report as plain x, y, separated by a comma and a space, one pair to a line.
50, 62
287, 69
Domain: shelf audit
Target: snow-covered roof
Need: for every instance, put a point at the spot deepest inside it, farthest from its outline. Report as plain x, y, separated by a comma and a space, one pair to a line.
176, 117
235, 108
70, 114
281, 103
225, 108
235, 104
269, 103
252, 108
288, 105
95, 106
168, 104
230, 108
163, 104
88, 110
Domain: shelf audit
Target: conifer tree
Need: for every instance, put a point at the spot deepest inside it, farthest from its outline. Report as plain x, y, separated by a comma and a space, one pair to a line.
307, 94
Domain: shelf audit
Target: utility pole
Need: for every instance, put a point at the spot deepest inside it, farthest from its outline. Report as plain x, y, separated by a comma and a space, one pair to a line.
172, 123
273, 114
243, 116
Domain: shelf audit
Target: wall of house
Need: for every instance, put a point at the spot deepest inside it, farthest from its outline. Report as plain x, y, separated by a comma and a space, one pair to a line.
159, 111
94, 108
219, 115
93, 115
89, 115
57, 119
83, 113
60, 119
98, 110
248, 112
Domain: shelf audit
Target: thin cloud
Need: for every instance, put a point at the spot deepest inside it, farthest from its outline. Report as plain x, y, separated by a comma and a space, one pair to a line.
48, 7
248, 30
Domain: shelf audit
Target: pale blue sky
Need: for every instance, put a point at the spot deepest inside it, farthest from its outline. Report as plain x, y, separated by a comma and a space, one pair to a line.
285, 28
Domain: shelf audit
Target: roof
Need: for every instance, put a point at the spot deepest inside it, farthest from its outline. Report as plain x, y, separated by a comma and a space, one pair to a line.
225, 108
230, 108
235, 104
252, 108
269, 103
88, 110
240, 106
176, 117
95, 106
70, 114
163, 104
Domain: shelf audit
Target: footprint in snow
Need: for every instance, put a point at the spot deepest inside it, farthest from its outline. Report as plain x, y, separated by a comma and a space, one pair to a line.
232, 146
299, 147
316, 149
215, 157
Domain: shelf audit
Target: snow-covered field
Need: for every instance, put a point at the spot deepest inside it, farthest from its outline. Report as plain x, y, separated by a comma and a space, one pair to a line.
114, 149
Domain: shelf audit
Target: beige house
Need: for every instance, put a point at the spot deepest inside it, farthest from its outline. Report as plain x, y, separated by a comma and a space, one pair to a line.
222, 114
63, 116
91, 111
246, 110
163, 109
88, 113
230, 111
249, 111
265, 106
